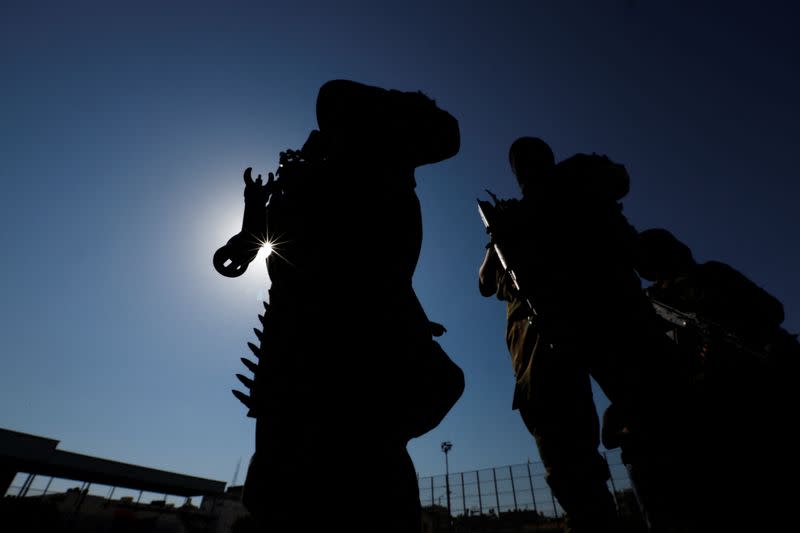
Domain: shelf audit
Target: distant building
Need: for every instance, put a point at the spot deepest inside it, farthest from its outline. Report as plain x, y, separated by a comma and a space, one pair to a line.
78, 511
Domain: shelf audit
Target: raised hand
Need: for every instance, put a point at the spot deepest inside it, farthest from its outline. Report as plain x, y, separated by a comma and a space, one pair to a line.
232, 259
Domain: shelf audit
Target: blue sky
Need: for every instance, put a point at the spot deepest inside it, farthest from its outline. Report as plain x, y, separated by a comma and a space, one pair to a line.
125, 128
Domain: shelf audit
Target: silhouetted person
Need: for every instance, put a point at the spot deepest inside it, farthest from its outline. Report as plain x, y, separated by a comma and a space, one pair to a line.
748, 366
348, 371
711, 289
572, 251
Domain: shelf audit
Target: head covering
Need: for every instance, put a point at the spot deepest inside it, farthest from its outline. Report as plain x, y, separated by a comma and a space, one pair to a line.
406, 126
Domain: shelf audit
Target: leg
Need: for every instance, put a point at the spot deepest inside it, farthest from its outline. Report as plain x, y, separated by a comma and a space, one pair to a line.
642, 374
562, 417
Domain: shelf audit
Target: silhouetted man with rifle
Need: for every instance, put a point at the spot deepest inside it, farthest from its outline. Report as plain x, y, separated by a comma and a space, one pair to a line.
570, 252
745, 365
347, 370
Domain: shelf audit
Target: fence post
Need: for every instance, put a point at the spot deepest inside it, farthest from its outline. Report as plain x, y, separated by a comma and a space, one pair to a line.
480, 499
513, 488
47, 487
25, 486
463, 497
530, 483
496, 492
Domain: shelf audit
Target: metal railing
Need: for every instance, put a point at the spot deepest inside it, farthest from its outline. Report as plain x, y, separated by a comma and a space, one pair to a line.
520, 487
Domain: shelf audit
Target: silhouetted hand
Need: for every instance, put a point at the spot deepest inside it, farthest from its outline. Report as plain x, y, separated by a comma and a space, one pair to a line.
255, 191
232, 259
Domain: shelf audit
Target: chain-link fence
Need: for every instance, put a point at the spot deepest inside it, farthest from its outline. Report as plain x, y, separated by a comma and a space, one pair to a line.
43, 503
488, 492
28, 485
520, 487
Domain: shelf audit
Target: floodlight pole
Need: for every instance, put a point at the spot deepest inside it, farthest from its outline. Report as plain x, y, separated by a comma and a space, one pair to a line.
446, 446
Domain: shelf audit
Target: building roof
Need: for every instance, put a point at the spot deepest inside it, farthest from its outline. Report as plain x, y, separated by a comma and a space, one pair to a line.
38, 455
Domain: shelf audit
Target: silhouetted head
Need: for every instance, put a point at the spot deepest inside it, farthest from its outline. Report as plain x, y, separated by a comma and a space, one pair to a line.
661, 256
367, 122
531, 160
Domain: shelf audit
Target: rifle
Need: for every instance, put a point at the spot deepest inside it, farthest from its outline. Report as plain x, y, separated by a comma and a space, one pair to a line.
707, 330
490, 215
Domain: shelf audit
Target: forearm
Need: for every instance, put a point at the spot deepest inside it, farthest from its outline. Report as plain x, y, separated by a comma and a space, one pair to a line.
487, 274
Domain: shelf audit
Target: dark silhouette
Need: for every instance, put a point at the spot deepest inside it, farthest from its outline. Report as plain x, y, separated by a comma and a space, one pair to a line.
745, 366
347, 368
714, 290
576, 309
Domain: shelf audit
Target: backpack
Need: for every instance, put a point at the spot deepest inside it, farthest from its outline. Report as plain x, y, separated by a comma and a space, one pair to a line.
595, 176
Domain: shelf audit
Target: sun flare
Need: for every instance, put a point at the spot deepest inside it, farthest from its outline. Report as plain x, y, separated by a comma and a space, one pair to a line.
265, 249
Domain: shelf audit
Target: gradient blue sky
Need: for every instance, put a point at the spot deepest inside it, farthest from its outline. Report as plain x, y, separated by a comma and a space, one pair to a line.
125, 127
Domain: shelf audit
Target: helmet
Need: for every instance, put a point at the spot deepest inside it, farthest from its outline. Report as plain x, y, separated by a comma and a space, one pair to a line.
372, 121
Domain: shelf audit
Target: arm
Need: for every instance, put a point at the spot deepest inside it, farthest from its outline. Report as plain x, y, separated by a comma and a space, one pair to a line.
232, 259
487, 274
